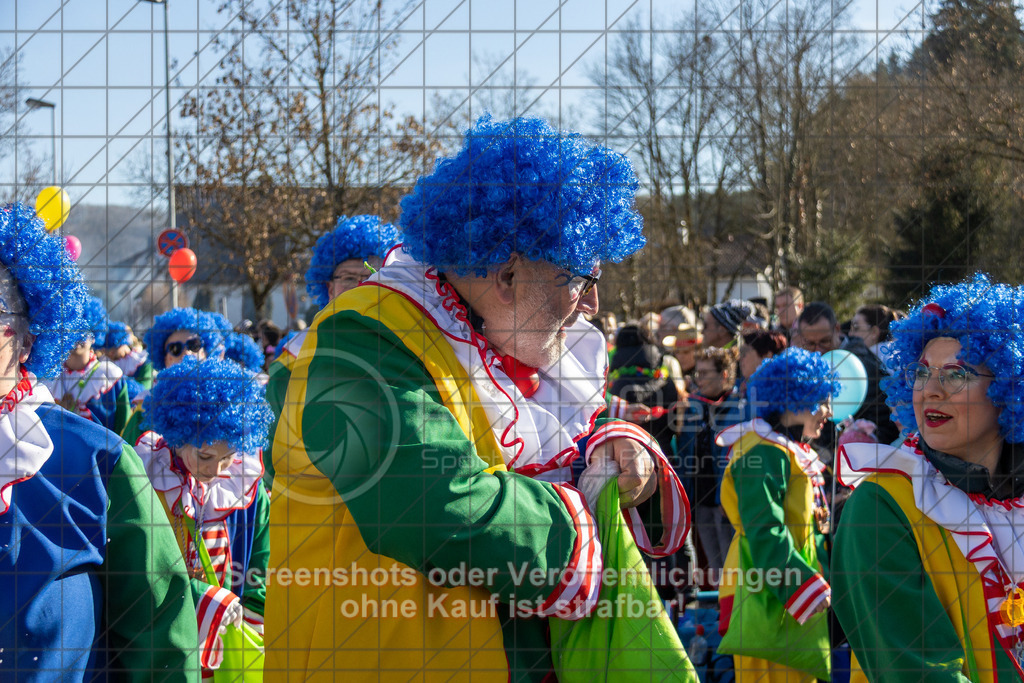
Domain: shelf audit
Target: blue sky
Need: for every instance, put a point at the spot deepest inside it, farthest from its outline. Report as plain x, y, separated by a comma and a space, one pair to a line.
102, 63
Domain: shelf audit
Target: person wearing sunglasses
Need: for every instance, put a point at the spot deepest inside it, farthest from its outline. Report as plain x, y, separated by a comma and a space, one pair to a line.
927, 567
182, 332
178, 334
94, 387
207, 421
94, 587
434, 413
342, 260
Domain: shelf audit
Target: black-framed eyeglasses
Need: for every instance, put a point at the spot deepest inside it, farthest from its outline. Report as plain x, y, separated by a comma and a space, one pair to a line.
192, 345
953, 377
584, 283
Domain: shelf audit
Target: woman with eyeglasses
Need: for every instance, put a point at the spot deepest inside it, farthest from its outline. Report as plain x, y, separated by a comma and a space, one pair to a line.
175, 335
773, 491
209, 422
928, 566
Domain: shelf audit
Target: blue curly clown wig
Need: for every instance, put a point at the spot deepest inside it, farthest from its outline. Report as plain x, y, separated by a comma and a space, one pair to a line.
521, 186
794, 380
95, 321
357, 237
216, 324
117, 335
243, 349
49, 284
165, 324
207, 402
985, 319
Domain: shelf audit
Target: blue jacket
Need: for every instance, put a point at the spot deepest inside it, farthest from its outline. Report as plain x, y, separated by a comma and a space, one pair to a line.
89, 567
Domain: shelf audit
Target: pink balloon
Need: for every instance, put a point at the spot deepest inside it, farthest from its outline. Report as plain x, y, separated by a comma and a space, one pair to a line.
74, 247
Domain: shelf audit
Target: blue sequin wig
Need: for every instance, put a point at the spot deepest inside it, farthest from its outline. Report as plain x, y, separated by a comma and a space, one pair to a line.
50, 286
243, 349
117, 335
206, 402
521, 186
96, 321
165, 324
357, 237
795, 380
985, 317
216, 324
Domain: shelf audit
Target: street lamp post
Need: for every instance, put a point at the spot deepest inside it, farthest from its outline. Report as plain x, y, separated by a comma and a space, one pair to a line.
170, 149
33, 103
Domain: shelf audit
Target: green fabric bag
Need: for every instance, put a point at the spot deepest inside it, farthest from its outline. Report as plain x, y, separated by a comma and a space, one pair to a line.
761, 627
628, 637
242, 647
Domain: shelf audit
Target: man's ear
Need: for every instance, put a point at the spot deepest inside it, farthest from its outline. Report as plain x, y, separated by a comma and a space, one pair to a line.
504, 279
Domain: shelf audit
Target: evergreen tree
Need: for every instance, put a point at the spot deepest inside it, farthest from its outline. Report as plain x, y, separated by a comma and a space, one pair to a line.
985, 30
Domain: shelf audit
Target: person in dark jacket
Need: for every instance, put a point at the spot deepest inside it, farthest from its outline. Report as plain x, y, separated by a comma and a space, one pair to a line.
819, 332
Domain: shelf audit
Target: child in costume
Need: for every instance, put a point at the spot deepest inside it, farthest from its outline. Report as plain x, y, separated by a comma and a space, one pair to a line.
209, 421
929, 556
175, 335
93, 387
773, 491
133, 363
82, 600
339, 263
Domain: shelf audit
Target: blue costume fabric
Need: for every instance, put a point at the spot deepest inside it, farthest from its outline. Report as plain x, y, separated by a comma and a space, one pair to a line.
76, 605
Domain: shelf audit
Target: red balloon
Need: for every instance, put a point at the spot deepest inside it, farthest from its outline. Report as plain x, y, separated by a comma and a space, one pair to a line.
182, 265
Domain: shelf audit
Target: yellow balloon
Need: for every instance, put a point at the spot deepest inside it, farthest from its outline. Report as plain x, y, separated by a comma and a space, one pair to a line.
53, 205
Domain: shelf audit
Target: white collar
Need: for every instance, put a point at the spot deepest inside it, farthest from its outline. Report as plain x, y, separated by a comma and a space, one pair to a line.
989, 534
537, 435
25, 443
235, 489
95, 379
805, 456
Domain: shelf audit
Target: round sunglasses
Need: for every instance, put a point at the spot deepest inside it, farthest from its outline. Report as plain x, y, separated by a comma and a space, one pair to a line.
192, 345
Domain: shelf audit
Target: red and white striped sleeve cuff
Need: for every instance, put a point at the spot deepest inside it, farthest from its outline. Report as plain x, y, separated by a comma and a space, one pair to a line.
209, 613
808, 598
255, 621
575, 596
675, 507
618, 408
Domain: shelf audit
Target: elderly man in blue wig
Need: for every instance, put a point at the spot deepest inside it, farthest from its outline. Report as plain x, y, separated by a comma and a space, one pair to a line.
93, 584
342, 260
94, 387
424, 449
